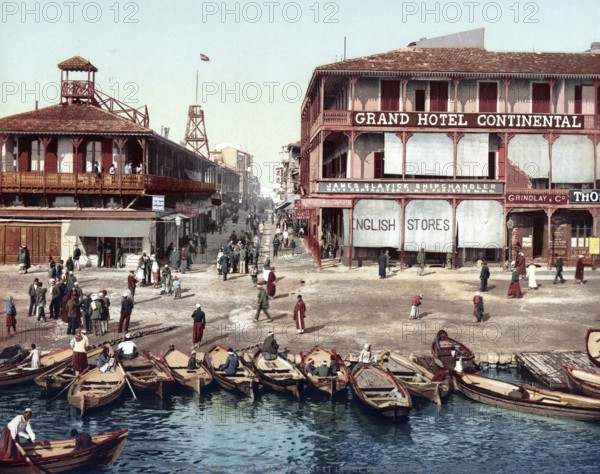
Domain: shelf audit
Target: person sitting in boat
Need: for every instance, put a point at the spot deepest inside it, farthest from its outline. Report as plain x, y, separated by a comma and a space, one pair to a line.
366, 356
334, 367
231, 364
458, 366
18, 428
270, 347
192, 361
519, 392
106, 360
127, 349
82, 440
34, 355
323, 371
310, 368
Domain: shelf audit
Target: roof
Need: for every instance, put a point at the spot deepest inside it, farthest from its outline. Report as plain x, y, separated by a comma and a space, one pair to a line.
472, 60
68, 119
77, 63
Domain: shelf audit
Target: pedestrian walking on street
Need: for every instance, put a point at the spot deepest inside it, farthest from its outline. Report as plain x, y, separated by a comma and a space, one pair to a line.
76, 257
224, 265
263, 304
484, 276
477, 307
22, 259
558, 266
11, 315
514, 290
421, 257
299, 314
414, 307
199, 324
266, 269
271, 284
531, 278
131, 284
579, 270
126, 310
40, 301
31, 293
254, 273
382, 262
520, 264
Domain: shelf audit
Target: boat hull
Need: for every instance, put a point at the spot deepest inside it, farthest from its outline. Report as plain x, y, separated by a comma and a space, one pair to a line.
328, 385
577, 384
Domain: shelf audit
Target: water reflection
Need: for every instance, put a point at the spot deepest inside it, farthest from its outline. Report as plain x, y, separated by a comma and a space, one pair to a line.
222, 432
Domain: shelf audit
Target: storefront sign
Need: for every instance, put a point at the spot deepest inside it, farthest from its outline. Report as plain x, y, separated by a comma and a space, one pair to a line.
455, 120
158, 203
537, 198
584, 196
594, 243
428, 226
184, 208
376, 223
317, 203
302, 213
421, 187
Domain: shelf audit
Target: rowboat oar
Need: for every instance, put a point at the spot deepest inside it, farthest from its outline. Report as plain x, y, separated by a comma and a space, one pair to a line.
127, 380
70, 383
34, 467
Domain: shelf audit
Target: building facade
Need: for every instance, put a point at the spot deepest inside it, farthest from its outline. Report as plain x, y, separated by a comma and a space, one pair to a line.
90, 170
464, 152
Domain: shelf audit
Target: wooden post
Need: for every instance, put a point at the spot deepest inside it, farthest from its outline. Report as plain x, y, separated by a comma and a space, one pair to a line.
453, 234
402, 233
351, 235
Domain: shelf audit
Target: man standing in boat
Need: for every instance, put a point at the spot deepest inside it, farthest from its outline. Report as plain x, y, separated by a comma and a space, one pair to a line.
80, 345
199, 324
18, 427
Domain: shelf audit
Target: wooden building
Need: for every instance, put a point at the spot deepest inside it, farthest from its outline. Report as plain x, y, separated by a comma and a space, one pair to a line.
86, 170
464, 152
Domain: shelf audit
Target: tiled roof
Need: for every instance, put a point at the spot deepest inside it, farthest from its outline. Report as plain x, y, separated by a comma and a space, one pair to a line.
77, 63
471, 60
69, 119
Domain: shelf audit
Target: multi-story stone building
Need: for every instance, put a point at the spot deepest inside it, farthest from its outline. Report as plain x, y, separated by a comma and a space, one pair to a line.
465, 152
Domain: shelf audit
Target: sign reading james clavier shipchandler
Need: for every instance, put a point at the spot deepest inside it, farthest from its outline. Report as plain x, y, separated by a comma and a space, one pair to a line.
420, 187
587, 196
455, 120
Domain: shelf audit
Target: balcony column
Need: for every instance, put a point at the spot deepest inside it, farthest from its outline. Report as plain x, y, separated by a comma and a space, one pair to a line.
506, 81
322, 83
76, 144
3, 139
404, 87
551, 82
353, 80
550, 137
45, 141
456, 82
595, 139
142, 142
454, 203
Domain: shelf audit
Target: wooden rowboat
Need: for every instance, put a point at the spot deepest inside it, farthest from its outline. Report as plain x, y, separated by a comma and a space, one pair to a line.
416, 378
23, 372
583, 381
592, 344
330, 385
540, 402
192, 379
244, 380
446, 351
148, 373
60, 456
279, 374
96, 389
62, 375
379, 392
12, 355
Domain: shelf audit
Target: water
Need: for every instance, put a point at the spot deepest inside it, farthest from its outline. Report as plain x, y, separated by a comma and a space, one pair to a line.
226, 433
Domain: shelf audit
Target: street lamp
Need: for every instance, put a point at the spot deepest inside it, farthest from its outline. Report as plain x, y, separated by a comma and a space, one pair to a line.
177, 224
510, 225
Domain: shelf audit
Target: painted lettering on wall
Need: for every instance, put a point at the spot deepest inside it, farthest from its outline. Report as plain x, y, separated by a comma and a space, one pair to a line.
383, 225
428, 224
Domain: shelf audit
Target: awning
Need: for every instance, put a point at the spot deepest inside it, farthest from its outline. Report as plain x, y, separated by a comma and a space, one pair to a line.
282, 205
109, 228
173, 217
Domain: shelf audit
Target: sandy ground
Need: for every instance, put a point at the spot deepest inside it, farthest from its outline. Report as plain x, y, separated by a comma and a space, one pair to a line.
345, 308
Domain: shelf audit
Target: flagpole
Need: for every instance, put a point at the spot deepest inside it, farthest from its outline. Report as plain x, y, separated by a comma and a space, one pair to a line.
196, 87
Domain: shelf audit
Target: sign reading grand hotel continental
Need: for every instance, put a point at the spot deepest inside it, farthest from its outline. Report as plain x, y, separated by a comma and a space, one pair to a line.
455, 120
412, 187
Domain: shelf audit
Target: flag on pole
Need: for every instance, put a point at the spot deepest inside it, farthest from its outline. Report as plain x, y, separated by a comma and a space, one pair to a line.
203, 57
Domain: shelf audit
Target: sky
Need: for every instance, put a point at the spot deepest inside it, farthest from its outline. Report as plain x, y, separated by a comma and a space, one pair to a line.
262, 54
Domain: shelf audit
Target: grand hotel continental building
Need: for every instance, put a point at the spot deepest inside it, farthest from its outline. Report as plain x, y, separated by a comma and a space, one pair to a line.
464, 152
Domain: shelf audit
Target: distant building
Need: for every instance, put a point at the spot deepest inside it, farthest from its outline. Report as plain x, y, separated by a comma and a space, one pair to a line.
87, 170
464, 152
233, 157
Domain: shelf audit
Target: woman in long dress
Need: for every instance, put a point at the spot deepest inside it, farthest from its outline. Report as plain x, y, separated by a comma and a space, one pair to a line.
514, 290
579, 270
271, 283
531, 271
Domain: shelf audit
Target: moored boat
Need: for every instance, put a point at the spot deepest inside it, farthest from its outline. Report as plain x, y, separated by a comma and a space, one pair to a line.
278, 374
244, 379
62, 375
418, 380
12, 355
583, 381
330, 385
60, 455
148, 373
23, 372
538, 401
96, 389
447, 351
378, 391
193, 379
592, 345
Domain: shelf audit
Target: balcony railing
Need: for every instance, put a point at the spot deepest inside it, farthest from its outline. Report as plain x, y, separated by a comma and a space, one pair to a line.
90, 183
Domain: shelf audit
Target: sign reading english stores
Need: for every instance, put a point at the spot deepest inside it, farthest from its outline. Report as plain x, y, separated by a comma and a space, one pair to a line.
456, 120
